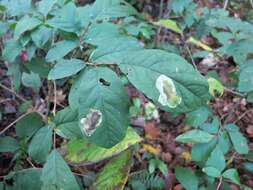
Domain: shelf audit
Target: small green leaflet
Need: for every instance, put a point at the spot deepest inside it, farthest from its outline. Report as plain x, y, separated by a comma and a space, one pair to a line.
31, 80
56, 174
67, 19
25, 24
215, 87
60, 49
187, 178
41, 144
212, 172
28, 125
8, 144
195, 136
45, 6
12, 48
239, 141
65, 68
246, 77
232, 175
216, 160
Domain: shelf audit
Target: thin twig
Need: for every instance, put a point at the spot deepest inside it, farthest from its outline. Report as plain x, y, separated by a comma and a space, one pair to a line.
30, 162
55, 98
225, 4
219, 184
13, 92
159, 17
234, 92
13, 123
54, 140
190, 54
242, 116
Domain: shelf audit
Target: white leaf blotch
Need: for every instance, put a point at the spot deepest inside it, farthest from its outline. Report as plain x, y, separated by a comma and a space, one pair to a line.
91, 122
168, 94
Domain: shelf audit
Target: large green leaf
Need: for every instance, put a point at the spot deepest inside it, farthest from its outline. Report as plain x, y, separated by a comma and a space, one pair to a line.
67, 19
187, 178
25, 24
41, 144
81, 151
115, 174
99, 91
186, 89
28, 179
246, 77
28, 125
57, 175
8, 144
60, 49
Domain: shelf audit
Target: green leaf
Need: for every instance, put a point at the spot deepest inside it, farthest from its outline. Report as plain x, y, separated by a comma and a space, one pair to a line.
105, 54
178, 6
45, 6
106, 9
8, 144
41, 35
233, 175
200, 152
17, 7
184, 88
198, 117
29, 124
67, 19
31, 80
245, 78
250, 97
57, 175
114, 175
12, 48
25, 24
212, 172
41, 144
170, 24
60, 49
224, 142
215, 87
65, 68
248, 166
67, 125
195, 136
39, 66
187, 178
107, 99
239, 141
212, 127
216, 159
80, 151
28, 179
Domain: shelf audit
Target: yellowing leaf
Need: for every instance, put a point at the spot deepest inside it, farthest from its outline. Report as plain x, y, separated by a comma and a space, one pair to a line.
199, 44
115, 174
215, 87
80, 150
150, 149
170, 24
186, 156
